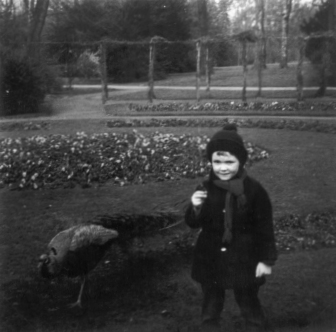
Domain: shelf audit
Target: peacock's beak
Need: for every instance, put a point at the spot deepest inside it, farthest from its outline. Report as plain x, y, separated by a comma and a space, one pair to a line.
42, 265
44, 259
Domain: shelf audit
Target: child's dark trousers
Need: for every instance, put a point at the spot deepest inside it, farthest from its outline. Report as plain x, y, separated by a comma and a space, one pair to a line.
247, 300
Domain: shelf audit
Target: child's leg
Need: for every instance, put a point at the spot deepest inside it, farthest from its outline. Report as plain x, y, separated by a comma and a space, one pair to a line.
250, 307
213, 303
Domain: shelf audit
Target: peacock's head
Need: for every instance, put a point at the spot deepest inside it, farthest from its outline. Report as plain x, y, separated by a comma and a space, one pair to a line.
47, 266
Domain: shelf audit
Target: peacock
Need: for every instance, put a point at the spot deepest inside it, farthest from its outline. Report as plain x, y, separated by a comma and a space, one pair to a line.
76, 251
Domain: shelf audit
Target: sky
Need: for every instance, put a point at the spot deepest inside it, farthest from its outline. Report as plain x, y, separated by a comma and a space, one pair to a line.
232, 11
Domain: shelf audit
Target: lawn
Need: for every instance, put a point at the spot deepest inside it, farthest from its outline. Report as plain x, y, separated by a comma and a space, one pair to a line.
190, 95
154, 292
150, 288
273, 77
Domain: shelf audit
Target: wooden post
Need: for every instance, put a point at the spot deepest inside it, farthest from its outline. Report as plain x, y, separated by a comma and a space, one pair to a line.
103, 72
260, 65
198, 69
207, 70
245, 37
324, 67
299, 75
244, 60
151, 94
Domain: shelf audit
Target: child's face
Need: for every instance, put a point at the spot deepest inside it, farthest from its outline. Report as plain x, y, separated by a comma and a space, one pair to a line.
225, 165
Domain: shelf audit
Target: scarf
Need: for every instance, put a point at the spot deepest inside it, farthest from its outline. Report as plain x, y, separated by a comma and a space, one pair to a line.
233, 187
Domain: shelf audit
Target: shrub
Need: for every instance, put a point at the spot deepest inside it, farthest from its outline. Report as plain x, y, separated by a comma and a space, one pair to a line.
224, 53
25, 85
88, 64
315, 51
176, 58
127, 63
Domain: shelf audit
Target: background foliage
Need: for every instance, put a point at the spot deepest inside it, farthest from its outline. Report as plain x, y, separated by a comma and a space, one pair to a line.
66, 35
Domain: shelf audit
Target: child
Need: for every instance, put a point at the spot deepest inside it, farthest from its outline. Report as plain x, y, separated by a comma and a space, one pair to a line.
236, 247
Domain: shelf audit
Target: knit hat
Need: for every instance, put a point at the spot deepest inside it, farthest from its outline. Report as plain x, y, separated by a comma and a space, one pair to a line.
228, 140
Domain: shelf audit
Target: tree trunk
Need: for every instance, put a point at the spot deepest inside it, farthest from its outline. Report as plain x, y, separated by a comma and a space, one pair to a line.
287, 8
260, 22
299, 75
27, 12
2, 108
203, 20
207, 70
38, 16
244, 61
332, 16
198, 69
103, 72
259, 67
263, 36
151, 94
323, 70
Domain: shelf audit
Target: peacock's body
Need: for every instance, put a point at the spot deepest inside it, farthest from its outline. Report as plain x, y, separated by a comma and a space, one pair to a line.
75, 252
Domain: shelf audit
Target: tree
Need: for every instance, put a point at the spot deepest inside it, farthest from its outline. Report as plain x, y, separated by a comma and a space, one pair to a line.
12, 28
203, 18
260, 58
248, 16
35, 13
25, 79
287, 8
244, 15
85, 21
219, 17
244, 38
321, 45
21, 26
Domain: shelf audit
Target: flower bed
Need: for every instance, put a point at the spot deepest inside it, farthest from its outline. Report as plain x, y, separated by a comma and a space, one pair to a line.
244, 123
315, 230
233, 106
65, 161
292, 232
10, 126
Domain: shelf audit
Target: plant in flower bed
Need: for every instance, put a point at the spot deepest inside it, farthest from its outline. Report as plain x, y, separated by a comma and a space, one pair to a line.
10, 126
315, 230
64, 161
292, 232
247, 123
274, 106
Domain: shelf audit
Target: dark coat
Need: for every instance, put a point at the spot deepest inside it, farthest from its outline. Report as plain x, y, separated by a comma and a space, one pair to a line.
252, 242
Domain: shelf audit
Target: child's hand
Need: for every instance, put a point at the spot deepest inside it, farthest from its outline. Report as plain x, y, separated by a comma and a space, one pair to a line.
263, 269
197, 199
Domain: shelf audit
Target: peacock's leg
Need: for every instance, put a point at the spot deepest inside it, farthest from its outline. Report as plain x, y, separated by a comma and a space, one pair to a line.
78, 303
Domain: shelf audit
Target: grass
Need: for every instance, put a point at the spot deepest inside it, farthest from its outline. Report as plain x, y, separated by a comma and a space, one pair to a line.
215, 95
299, 295
273, 76
82, 91
186, 95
